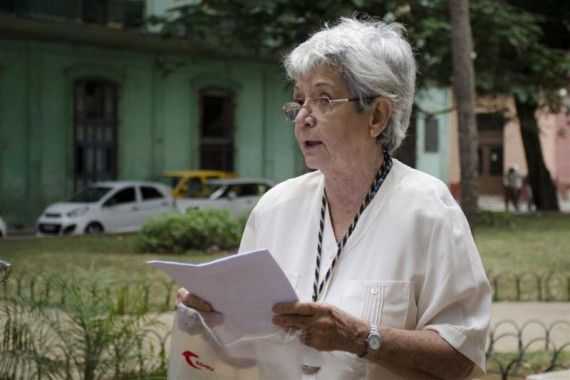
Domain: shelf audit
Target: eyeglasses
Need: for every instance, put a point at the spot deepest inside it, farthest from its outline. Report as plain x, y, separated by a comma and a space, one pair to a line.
315, 106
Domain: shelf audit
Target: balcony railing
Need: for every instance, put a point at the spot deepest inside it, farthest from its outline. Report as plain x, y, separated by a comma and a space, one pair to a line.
125, 13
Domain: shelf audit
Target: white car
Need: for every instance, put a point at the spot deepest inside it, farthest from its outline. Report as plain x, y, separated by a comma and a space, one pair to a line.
237, 195
3, 228
120, 206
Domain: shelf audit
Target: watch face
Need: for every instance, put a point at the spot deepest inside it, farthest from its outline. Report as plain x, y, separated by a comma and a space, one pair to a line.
374, 342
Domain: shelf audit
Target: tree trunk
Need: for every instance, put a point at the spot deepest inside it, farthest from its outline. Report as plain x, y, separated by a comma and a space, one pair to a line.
543, 189
464, 85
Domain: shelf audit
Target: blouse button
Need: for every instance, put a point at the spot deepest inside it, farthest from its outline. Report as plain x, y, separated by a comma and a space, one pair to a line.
374, 291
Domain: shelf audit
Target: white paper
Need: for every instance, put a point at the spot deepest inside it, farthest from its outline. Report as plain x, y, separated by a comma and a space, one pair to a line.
242, 287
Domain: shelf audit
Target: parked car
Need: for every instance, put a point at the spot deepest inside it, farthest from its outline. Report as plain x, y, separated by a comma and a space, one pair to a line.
120, 206
3, 228
237, 195
192, 183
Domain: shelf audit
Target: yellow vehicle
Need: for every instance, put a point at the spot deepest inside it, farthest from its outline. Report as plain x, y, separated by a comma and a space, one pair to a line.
192, 183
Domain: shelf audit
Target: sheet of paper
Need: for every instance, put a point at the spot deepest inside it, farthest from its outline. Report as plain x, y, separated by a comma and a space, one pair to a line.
243, 287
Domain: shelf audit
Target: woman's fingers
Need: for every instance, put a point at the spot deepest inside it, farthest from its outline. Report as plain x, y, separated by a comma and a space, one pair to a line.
324, 326
302, 308
186, 298
294, 314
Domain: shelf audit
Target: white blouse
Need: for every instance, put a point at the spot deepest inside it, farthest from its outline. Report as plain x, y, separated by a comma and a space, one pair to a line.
410, 263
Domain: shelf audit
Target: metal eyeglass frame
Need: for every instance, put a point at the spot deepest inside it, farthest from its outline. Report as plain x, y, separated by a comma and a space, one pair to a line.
292, 109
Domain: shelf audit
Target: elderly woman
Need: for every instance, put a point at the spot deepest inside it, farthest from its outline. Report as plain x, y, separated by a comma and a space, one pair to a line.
381, 256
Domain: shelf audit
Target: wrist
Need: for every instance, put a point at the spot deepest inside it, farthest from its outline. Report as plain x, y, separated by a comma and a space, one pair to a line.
373, 342
360, 346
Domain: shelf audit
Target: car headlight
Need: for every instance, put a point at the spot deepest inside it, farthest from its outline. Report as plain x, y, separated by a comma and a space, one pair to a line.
78, 212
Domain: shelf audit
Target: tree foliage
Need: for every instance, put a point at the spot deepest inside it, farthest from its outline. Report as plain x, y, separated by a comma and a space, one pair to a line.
511, 56
520, 46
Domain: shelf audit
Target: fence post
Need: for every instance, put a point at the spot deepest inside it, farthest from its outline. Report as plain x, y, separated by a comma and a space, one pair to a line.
518, 286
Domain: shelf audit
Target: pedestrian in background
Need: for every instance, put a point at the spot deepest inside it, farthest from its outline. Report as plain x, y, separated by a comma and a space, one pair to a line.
512, 183
529, 196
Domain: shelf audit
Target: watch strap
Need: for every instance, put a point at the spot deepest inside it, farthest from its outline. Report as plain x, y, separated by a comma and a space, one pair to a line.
374, 332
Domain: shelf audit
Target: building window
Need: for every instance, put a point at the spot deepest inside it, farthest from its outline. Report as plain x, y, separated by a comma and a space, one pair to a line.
217, 129
496, 160
94, 11
95, 131
431, 138
490, 121
490, 160
133, 13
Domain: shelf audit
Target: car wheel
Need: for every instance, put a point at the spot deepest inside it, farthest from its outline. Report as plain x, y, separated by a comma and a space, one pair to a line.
94, 229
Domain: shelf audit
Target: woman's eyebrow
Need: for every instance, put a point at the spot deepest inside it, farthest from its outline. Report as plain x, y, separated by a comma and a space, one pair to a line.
323, 84
318, 85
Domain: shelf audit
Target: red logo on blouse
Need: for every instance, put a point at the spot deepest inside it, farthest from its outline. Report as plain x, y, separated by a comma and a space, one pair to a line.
192, 360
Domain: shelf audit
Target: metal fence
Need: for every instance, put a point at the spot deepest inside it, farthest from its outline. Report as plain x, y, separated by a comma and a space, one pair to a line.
533, 347
157, 296
530, 286
507, 286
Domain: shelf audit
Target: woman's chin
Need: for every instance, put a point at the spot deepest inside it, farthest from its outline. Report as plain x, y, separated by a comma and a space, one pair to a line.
311, 163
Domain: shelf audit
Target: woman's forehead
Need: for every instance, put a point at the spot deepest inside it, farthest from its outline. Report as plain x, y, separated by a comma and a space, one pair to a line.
319, 78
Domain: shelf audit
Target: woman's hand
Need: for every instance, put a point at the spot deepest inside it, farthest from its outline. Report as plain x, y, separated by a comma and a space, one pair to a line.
186, 298
325, 327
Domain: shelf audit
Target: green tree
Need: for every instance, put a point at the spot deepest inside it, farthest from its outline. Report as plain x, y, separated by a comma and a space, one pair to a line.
519, 52
553, 18
519, 62
512, 55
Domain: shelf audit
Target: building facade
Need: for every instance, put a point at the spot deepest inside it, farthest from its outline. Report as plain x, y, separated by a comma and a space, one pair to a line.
84, 101
89, 92
501, 146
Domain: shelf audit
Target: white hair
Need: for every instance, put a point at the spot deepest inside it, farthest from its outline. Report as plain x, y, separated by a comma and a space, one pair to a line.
373, 58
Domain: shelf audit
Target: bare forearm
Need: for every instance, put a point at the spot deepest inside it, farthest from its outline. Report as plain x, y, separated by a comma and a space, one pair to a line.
410, 353
421, 355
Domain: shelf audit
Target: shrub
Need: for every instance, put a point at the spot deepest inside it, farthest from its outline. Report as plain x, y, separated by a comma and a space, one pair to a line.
196, 229
88, 336
493, 218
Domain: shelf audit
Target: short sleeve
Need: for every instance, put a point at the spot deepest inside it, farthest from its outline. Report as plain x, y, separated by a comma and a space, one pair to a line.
455, 298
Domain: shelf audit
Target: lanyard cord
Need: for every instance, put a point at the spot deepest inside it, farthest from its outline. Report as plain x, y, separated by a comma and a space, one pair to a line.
378, 180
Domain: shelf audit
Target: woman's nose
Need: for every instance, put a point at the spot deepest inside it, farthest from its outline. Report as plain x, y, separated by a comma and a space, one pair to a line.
304, 118
304, 111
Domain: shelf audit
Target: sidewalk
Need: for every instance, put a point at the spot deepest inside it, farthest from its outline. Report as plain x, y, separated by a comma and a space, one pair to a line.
542, 314
497, 203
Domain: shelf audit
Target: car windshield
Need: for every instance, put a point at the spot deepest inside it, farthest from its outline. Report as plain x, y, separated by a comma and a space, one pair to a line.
90, 194
170, 180
217, 191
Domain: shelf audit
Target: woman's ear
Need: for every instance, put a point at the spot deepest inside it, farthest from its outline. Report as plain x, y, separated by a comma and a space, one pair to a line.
381, 113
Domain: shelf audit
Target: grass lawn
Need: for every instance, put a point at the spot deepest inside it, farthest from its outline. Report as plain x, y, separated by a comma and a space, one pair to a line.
515, 243
114, 252
526, 243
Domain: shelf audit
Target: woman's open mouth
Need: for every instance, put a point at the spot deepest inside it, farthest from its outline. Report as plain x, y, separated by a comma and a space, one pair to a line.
310, 144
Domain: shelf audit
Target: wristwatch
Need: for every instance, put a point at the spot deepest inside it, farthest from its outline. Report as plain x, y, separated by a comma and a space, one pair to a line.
373, 342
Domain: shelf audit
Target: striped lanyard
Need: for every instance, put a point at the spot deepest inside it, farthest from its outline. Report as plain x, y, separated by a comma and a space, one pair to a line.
378, 180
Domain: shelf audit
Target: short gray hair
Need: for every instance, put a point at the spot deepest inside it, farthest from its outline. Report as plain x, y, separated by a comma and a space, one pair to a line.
373, 58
